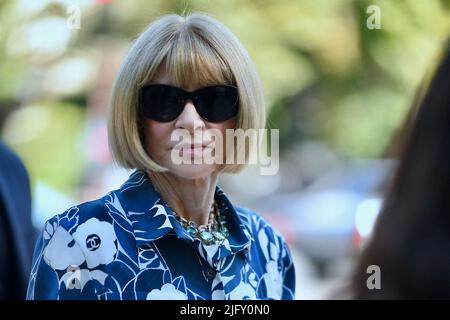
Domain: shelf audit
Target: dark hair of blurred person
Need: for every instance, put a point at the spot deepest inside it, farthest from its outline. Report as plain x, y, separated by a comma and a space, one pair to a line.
16, 231
411, 239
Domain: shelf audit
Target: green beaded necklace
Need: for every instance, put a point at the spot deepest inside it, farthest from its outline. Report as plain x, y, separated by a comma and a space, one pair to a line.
212, 233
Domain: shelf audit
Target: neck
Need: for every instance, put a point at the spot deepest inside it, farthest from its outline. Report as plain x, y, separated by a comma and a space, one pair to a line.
189, 198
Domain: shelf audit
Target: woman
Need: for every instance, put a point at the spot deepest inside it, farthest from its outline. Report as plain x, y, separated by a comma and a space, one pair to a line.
410, 243
170, 232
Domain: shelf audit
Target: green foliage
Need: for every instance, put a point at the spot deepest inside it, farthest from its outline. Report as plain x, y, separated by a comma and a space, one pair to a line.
46, 136
326, 75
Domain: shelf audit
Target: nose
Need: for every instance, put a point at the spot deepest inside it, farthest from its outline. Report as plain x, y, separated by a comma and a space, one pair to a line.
189, 119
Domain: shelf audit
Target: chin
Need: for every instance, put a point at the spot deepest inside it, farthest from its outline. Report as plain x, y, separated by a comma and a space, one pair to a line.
192, 171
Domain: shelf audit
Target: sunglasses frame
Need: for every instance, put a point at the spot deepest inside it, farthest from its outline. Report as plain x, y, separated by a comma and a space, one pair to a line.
182, 97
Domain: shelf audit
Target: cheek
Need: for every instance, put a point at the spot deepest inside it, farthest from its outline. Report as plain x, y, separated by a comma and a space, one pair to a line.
229, 124
156, 135
154, 129
222, 127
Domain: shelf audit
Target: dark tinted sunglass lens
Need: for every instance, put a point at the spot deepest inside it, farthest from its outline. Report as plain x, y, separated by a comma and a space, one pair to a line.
160, 102
218, 103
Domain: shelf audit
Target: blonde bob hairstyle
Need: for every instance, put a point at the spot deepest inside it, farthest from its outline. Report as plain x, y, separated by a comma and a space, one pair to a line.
193, 49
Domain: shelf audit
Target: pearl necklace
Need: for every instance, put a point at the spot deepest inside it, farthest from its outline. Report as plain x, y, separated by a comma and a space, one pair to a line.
212, 233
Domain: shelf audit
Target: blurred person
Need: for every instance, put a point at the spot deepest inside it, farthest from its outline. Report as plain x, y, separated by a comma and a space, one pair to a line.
170, 232
16, 230
411, 240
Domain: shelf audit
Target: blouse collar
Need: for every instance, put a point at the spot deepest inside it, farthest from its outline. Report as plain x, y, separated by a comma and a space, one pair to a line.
151, 218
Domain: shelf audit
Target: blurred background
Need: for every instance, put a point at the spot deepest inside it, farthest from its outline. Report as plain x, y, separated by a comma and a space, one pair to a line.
337, 90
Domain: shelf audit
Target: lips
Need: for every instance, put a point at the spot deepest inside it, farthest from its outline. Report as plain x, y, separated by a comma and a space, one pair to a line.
192, 149
191, 146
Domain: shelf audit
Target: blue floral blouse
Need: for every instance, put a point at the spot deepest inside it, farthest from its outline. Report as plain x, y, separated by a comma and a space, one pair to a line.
129, 245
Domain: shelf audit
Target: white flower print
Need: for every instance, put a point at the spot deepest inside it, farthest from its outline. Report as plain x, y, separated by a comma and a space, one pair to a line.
244, 291
96, 239
123, 246
251, 276
49, 230
273, 280
75, 278
167, 292
218, 295
62, 251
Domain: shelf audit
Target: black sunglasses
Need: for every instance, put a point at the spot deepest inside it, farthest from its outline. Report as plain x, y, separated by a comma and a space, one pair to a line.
165, 103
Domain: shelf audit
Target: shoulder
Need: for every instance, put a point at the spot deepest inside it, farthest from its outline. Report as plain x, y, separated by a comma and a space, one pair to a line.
259, 227
248, 216
85, 212
84, 233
